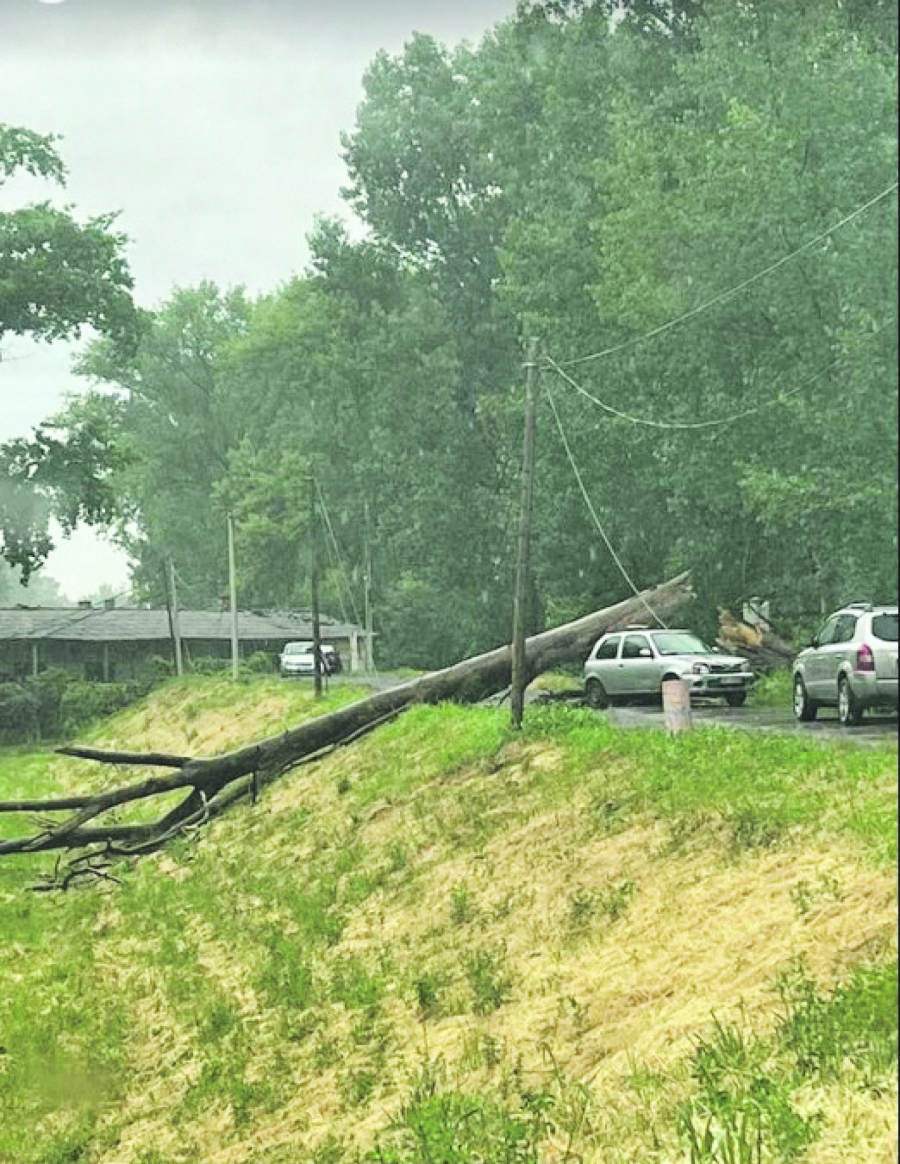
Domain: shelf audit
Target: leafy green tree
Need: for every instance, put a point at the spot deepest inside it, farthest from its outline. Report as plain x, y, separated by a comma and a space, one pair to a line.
56, 274
176, 422
67, 470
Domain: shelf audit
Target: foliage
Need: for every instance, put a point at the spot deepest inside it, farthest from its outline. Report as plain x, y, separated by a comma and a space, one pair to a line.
437, 1123
305, 954
56, 704
57, 274
588, 174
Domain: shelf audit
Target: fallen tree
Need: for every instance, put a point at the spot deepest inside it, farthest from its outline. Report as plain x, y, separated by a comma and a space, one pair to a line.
212, 784
759, 645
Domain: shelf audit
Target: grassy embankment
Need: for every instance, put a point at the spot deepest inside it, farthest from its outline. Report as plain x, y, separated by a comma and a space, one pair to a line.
446, 944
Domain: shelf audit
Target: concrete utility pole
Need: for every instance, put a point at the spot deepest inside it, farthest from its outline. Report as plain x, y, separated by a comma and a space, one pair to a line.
173, 617
519, 677
232, 598
314, 588
367, 595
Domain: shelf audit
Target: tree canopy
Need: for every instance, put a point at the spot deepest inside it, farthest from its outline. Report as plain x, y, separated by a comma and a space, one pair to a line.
56, 277
690, 204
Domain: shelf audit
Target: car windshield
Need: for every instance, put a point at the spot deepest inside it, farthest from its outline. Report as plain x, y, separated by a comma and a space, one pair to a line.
297, 648
884, 627
679, 643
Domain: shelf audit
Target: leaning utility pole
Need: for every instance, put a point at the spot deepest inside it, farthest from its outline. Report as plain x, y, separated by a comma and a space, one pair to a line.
314, 588
232, 598
519, 676
173, 616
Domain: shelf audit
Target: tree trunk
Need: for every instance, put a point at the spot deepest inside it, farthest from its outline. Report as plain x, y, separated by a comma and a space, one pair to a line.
215, 783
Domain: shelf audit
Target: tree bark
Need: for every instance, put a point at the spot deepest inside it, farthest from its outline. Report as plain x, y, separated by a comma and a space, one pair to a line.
217, 782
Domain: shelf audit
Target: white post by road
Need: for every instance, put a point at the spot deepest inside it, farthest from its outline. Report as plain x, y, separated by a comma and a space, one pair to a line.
676, 697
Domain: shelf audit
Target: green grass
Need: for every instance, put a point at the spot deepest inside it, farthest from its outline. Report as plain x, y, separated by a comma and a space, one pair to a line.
242, 960
772, 690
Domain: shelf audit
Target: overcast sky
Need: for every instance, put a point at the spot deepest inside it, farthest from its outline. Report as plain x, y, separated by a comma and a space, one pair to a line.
213, 127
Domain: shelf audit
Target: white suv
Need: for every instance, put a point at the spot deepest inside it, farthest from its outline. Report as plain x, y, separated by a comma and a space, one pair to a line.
851, 664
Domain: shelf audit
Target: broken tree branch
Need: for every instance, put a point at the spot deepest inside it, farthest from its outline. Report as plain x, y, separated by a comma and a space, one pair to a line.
217, 782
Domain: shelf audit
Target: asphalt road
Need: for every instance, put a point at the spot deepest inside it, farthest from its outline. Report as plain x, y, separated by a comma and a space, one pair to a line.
874, 729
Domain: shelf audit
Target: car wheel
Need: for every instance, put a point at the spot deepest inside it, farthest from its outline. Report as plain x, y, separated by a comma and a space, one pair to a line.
596, 694
849, 710
736, 698
804, 708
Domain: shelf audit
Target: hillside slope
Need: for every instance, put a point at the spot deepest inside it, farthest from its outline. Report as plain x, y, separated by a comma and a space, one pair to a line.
450, 944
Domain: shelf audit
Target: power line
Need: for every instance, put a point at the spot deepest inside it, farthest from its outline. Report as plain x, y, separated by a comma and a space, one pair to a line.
593, 512
718, 422
734, 290
342, 571
343, 574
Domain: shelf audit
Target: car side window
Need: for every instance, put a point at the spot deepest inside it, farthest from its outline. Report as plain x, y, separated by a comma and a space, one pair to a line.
608, 649
826, 634
846, 626
634, 644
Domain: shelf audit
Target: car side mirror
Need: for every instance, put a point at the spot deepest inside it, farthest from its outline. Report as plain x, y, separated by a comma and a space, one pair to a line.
813, 642
645, 653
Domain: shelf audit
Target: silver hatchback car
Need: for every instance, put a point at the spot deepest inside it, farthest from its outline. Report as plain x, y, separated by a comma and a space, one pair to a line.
634, 663
851, 664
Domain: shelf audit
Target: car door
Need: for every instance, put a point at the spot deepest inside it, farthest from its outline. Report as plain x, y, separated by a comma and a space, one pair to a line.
834, 647
638, 667
814, 666
838, 652
603, 664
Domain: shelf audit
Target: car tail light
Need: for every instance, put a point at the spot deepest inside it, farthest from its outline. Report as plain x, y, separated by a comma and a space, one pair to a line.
865, 660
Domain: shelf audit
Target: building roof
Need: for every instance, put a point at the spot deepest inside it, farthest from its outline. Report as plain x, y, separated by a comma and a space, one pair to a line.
134, 624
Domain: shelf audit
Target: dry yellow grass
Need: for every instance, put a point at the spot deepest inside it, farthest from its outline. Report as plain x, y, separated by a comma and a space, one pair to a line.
603, 989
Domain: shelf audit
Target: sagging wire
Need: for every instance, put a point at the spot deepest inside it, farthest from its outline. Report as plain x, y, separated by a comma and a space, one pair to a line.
718, 422
343, 573
334, 551
590, 506
724, 295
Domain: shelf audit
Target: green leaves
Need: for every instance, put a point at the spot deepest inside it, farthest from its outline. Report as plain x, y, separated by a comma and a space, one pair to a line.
57, 274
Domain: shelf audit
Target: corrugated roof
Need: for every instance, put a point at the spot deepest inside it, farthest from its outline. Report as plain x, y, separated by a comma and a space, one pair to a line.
132, 624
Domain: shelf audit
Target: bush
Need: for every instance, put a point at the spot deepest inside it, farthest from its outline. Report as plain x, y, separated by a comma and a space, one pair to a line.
19, 714
82, 702
56, 704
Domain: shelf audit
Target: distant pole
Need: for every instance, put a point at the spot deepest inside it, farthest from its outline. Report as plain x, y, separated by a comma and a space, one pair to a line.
173, 617
519, 676
314, 589
367, 593
232, 596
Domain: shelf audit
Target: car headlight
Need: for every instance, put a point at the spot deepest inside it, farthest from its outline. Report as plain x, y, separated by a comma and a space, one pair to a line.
700, 669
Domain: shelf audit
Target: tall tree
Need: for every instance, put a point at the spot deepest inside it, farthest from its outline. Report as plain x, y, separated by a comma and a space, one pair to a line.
177, 422
56, 276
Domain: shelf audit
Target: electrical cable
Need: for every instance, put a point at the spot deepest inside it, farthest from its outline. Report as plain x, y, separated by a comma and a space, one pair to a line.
719, 422
593, 512
720, 298
342, 571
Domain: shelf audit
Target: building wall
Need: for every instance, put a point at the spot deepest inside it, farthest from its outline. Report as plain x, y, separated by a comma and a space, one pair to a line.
121, 662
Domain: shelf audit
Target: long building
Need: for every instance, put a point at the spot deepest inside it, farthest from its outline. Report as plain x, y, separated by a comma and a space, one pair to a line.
116, 643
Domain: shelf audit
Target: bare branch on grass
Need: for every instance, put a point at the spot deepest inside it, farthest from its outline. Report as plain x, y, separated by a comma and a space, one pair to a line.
218, 782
